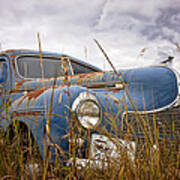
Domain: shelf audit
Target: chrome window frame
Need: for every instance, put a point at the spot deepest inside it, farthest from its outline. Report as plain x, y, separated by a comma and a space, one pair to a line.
53, 57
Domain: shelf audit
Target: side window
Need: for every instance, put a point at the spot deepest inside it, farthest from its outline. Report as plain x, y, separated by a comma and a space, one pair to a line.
81, 69
31, 67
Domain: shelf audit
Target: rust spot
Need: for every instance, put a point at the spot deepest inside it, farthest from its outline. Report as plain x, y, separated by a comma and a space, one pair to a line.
34, 94
120, 75
14, 91
34, 113
9, 51
14, 50
79, 81
13, 64
114, 91
19, 83
79, 77
116, 102
13, 56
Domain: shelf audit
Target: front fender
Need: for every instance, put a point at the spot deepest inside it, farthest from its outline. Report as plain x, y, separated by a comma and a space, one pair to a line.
41, 107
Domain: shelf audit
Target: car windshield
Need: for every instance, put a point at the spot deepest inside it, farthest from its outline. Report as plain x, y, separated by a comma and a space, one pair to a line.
31, 67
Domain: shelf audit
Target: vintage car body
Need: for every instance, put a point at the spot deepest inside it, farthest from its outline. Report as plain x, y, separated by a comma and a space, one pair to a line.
71, 98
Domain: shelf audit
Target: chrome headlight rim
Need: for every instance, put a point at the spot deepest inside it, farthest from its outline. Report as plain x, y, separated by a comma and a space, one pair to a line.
84, 97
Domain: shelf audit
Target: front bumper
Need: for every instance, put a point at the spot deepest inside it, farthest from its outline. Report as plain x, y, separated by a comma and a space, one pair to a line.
104, 150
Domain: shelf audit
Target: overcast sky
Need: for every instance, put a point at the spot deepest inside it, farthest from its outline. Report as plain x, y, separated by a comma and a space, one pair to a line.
123, 27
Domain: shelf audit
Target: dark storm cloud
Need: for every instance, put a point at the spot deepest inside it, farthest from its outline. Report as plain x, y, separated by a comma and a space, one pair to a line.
144, 24
168, 21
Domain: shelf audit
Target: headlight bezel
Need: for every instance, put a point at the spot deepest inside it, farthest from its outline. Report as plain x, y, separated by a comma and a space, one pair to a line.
85, 97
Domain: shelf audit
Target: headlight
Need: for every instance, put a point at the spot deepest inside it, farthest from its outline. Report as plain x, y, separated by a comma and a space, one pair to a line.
87, 110
88, 113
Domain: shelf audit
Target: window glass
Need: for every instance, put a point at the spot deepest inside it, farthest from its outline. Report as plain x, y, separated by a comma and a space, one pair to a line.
80, 69
30, 67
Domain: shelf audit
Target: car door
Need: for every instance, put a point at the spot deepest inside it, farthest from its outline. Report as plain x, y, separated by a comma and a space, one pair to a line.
4, 82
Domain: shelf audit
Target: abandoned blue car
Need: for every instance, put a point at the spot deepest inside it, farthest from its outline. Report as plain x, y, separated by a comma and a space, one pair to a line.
64, 101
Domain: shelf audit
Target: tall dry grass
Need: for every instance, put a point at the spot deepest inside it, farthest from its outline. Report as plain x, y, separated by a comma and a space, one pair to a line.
153, 158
